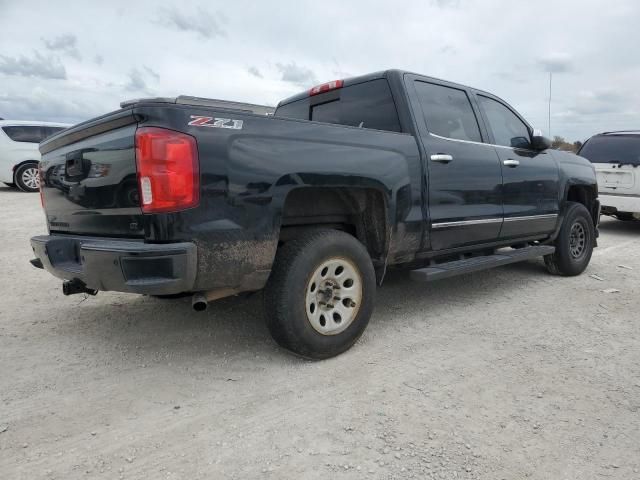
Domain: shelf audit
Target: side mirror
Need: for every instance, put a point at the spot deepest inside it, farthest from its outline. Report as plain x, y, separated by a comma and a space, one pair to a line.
539, 142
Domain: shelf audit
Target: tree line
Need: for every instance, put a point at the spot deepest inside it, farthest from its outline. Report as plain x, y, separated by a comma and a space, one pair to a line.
559, 143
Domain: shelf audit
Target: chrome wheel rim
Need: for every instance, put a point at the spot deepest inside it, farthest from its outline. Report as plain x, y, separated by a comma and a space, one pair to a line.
577, 240
334, 294
31, 178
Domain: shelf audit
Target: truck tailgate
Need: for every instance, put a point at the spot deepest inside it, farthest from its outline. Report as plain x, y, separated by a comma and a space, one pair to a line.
88, 178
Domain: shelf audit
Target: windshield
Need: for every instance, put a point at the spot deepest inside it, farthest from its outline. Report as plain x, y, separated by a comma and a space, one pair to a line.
613, 149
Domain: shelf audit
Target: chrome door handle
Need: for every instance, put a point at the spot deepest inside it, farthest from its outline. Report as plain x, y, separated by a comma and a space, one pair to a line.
441, 157
511, 163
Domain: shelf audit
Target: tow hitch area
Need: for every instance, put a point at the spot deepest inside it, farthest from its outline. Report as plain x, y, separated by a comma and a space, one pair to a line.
71, 287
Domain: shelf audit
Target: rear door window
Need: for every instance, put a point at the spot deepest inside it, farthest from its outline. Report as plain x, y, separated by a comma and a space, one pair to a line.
364, 105
25, 133
624, 149
508, 130
448, 112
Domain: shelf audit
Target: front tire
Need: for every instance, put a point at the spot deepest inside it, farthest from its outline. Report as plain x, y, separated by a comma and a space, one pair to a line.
574, 244
27, 177
320, 294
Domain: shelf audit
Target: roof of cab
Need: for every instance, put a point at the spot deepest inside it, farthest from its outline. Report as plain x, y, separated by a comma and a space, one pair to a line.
384, 74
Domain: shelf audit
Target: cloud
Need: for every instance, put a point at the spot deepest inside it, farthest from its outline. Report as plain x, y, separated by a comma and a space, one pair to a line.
599, 102
151, 72
138, 79
39, 66
205, 24
254, 71
66, 44
42, 104
556, 62
293, 73
201, 53
446, 3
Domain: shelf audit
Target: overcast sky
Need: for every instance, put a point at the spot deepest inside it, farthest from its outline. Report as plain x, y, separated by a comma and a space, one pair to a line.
69, 61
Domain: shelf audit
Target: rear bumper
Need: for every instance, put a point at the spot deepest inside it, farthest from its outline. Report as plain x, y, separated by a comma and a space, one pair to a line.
619, 203
119, 265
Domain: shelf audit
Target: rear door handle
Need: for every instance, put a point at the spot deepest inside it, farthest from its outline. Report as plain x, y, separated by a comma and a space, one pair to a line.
441, 157
511, 163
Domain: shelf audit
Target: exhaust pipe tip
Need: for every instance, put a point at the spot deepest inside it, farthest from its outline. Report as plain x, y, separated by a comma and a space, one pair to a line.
199, 302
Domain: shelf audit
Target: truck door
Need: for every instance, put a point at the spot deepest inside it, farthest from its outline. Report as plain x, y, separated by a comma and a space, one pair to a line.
464, 178
530, 178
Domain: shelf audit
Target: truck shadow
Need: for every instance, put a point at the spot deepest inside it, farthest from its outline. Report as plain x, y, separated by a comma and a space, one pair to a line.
616, 227
233, 328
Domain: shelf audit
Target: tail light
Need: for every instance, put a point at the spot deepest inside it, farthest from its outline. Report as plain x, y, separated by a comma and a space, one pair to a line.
168, 170
326, 87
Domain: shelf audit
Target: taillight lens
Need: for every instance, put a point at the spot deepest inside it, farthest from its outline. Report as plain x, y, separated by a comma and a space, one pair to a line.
168, 170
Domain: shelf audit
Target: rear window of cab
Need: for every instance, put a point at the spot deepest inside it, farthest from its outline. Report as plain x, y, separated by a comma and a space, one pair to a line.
364, 105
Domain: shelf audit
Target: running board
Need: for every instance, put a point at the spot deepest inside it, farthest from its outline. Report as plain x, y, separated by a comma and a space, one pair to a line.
475, 264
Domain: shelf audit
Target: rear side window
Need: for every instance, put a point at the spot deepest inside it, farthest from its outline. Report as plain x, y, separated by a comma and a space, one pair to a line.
448, 112
612, 149
364, 105
25, 133
508, 130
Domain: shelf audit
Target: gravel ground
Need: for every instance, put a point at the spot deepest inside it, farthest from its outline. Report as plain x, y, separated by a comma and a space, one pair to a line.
511, 374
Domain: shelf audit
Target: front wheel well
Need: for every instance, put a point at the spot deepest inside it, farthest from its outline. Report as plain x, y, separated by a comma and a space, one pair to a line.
586, 195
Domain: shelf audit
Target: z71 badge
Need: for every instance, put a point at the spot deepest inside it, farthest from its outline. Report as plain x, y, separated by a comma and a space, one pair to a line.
201, 121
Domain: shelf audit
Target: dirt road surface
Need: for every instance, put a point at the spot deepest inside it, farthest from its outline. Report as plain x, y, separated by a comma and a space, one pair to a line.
510, 373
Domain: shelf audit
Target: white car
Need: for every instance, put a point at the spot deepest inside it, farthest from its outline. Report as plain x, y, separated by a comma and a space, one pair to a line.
19, 155
616, 158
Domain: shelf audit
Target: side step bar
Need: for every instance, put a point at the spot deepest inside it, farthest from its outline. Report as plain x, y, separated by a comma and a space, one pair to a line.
474, 264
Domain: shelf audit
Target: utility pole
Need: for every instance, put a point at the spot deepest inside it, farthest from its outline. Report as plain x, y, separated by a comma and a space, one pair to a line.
549, 126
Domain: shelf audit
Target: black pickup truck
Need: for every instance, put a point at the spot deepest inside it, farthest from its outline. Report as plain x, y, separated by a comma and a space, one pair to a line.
312, 202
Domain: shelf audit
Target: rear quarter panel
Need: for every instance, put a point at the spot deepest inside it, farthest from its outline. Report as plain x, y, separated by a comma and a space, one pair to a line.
247, 174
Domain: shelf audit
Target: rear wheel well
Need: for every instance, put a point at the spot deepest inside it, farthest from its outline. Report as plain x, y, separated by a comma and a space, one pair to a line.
361, 212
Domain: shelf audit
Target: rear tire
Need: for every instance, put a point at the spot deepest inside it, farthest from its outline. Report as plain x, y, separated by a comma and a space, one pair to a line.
320, 294
27, 177
574, 244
